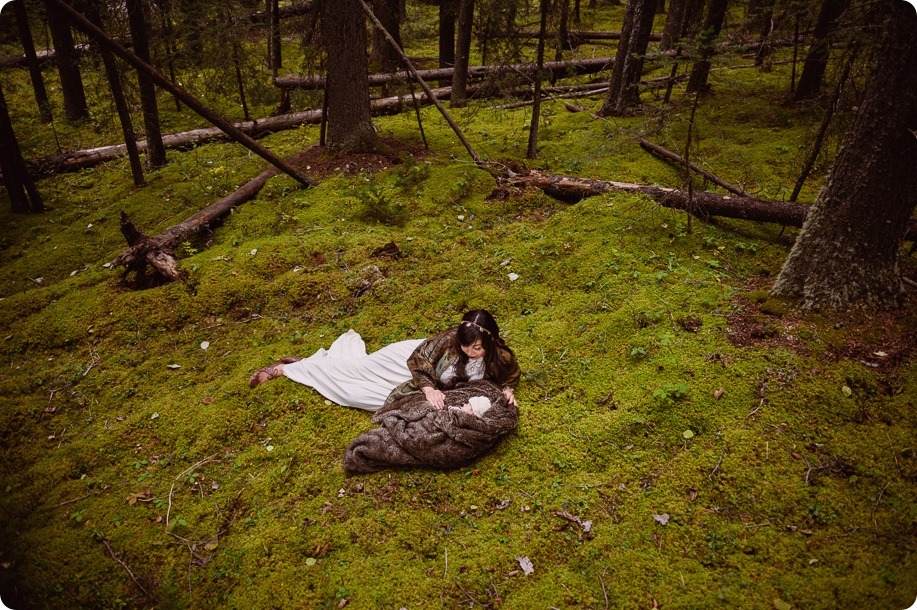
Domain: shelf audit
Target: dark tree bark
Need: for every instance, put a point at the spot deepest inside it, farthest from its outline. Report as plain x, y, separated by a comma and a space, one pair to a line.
31, 60
117, 93
67, 66
274, 55
716, 13
682, 13
389, 12
846, 254
766, 27
190, 28
140, 40
24, 197
448, 11
462, 53
350, 127
562, 43
536, 95
165, 10
813, 70
623, 86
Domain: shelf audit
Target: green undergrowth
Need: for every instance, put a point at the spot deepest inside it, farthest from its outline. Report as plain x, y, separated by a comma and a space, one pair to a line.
711, 472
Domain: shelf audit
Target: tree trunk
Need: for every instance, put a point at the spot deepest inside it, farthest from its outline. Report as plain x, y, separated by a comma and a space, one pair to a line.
67, 67
31, 59
623, 86
389, 13
680, 21
462, 53
117, 93
350, 127
24, 197
274, 55
536, 93
139, 38
846, 254
716, 13
813, 70
765, 19
448, 10
562, 42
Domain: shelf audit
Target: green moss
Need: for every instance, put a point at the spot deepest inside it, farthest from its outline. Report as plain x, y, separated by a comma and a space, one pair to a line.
787, 487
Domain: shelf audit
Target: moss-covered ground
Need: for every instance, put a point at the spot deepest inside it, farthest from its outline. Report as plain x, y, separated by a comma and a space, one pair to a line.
724, 450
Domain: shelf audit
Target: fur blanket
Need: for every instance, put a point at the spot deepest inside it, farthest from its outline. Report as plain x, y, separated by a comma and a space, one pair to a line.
412, 432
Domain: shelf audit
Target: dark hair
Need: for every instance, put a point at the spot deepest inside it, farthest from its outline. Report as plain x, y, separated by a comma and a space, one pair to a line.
480, 325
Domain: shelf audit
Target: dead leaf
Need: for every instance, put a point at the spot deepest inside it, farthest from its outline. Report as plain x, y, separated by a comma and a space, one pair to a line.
502, 505
662, 519
342, 603
140, 496
526, 564
719, 393
795, 455
692, 494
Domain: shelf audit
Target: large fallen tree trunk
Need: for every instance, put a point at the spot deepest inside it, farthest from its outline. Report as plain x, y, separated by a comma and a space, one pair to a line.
81, 159
558, 69
157, 251
572, 189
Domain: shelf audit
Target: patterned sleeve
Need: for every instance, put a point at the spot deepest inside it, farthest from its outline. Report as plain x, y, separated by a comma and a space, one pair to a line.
512, 378
422, 363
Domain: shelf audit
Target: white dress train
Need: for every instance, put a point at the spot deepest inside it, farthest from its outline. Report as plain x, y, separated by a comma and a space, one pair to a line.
347, 375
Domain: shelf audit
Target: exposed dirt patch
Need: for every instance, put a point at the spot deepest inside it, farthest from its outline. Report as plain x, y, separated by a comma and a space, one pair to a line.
315, 162
881, 340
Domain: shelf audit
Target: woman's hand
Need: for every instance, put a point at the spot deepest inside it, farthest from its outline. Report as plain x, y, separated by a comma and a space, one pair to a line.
510, 395
434, 397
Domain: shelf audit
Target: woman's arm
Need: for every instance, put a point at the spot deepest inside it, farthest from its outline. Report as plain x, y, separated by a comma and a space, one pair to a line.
422, 364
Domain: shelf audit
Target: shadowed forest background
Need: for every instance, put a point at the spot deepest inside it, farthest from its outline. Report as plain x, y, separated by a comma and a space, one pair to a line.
692, 221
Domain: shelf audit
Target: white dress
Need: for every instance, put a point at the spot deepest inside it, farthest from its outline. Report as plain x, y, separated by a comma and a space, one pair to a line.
347, 375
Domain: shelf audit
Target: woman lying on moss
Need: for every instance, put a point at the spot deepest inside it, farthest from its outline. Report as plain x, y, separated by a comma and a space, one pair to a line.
344, 373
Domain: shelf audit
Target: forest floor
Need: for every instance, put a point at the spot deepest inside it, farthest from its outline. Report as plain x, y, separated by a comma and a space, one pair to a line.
726, 450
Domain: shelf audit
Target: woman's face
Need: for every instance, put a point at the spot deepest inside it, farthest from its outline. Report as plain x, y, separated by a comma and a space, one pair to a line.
474, 351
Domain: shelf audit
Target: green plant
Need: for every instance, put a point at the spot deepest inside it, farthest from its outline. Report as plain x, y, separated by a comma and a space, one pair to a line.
671, 393
410, 175
377, 204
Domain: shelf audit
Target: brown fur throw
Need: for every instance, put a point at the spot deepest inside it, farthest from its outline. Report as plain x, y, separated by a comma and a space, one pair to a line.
412, 432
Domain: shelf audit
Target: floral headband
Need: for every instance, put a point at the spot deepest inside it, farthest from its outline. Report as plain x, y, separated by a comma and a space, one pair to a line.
479, 327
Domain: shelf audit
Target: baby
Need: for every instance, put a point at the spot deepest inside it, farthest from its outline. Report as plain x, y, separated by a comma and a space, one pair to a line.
476, 405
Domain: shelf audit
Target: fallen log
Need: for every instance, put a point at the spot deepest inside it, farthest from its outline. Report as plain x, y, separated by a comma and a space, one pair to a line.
679, 161
286, 12
558, 69
78, 20
157, 251
573, 189
82, 159
575, 36
18, 59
